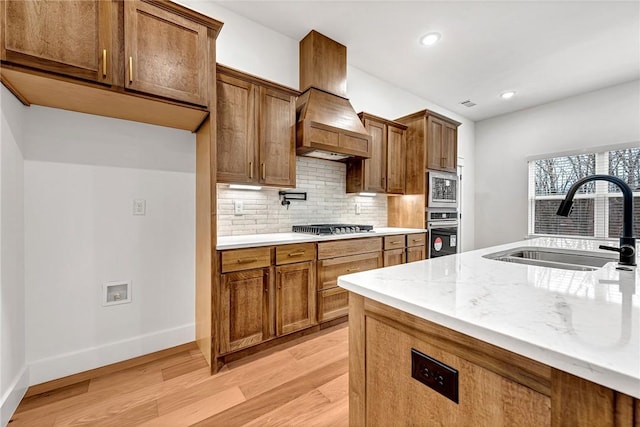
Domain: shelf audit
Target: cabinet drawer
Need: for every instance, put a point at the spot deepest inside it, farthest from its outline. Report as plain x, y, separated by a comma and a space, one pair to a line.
245, 259
394, 242
418, 239
348, 247
295, 253
330, 269
332, 303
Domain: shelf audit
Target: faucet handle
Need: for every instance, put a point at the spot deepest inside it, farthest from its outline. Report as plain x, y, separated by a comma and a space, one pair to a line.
609, 248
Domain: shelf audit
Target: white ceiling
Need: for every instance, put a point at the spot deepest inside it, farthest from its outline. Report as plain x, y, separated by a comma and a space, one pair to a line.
543, 50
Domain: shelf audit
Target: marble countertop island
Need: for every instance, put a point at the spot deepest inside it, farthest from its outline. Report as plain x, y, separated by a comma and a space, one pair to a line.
586, 323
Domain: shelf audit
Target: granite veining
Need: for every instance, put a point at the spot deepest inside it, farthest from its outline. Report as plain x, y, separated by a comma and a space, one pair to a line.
586, 323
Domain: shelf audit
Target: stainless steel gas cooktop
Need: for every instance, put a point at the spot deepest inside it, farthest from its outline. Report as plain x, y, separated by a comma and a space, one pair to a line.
332, 228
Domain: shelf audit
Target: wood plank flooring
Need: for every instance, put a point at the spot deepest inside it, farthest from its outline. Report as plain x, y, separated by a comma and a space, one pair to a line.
303, 382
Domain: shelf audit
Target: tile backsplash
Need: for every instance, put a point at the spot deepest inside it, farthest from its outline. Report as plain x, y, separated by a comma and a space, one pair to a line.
324, 182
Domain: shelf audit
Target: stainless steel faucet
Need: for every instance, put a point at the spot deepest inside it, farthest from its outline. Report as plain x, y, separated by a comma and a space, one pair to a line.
627, 247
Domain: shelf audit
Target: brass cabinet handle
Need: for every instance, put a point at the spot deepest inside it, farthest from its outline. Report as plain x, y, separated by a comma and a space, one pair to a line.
250, 170
292, 254
104, 62
264, 171
416, 240
247, 260
395, 241
352, 269
131, 69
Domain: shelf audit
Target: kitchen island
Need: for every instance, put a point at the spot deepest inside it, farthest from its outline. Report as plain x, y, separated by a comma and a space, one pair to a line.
528, 345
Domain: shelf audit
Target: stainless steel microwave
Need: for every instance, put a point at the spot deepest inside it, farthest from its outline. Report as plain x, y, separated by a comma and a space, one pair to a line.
442, 190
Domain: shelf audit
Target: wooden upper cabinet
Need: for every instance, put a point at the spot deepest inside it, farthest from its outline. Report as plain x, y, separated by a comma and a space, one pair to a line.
165, 54
72, 38
395, 159
384, 172
236, 130
276, 138
442, 145
256, 130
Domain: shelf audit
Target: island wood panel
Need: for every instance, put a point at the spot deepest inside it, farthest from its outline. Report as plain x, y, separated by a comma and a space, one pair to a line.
166, 53
244, 301
73, 38
330, 269
485, 398
295, 297
348, 247
531, 393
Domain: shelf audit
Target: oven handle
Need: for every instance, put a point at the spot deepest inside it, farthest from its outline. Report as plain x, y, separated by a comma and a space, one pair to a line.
443, 224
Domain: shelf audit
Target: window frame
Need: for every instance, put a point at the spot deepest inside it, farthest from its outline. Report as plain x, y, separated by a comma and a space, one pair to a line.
601, 195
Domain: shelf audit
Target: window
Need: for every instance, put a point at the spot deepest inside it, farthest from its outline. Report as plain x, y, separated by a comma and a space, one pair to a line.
597, 207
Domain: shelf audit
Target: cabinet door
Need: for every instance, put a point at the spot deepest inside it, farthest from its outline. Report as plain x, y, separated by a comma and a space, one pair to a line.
72, 38
332, 303
296, 293
395, 160
436, 131
277, 115
236, 130
416, 253
330, 269
244, 309
166, 54
450, 148
374, 168
394, 257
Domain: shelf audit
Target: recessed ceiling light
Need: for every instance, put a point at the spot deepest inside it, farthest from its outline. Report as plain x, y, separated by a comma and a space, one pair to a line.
508, 95
430, 39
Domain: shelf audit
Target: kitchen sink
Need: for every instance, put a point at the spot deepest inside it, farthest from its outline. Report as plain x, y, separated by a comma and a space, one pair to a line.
566, 259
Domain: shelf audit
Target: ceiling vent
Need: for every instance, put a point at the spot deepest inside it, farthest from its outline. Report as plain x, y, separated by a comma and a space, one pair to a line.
468, 103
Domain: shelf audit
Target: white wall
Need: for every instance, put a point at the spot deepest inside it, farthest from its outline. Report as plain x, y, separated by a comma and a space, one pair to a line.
600, 118
81, 176
13, 369
253, 48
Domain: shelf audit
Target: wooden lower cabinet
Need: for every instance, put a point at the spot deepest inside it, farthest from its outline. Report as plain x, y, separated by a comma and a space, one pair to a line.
330, 269
493, 388
416, 253
245, 317
332, 303
295, 297
394, 257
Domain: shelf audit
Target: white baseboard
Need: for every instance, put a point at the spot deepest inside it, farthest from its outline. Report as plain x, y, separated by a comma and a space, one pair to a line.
13, 395
95, 357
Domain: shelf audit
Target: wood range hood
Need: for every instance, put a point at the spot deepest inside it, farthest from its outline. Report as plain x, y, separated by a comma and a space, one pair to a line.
327, 126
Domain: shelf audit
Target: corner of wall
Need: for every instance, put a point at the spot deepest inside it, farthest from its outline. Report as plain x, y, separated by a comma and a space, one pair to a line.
11, 398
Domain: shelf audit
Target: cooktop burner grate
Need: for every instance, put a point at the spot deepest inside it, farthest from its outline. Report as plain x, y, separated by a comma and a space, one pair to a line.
332, 228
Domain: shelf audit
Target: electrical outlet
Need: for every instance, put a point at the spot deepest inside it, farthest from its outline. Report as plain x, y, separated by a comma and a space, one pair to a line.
238, 207
358, 208
139, 207
435, 374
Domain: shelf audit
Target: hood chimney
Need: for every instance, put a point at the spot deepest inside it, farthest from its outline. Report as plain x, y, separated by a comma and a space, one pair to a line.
327, 125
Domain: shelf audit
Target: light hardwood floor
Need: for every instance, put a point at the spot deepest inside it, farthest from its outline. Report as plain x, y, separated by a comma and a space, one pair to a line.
301, 383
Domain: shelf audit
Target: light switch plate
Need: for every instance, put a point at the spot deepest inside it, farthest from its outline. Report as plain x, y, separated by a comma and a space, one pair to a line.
139, 207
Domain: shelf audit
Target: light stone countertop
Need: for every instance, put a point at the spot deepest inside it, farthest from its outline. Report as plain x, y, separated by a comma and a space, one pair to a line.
586, 323
255, 240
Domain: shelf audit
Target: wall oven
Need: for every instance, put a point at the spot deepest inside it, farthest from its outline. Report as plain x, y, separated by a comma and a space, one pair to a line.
443, 232
442, 190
